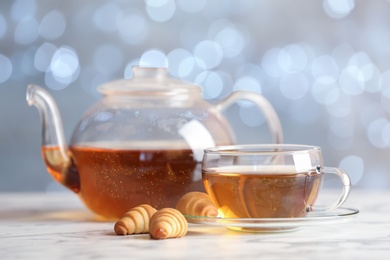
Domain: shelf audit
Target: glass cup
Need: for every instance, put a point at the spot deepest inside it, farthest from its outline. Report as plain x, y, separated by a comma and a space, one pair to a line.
268, 181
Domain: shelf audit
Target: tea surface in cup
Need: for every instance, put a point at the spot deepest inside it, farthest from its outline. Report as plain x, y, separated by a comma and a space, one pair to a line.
265, 191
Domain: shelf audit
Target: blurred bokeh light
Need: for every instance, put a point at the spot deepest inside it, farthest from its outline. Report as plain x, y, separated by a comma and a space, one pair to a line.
324, 65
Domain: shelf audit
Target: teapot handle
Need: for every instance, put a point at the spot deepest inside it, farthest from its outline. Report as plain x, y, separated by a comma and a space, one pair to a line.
263, 104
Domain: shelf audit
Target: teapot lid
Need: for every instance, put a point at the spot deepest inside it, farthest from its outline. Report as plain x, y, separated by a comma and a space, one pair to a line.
148, 80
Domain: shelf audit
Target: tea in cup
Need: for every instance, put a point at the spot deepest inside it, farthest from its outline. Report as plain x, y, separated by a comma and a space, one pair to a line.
267, 181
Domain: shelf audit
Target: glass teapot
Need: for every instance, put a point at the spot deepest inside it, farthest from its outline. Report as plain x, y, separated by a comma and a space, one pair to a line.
142, 142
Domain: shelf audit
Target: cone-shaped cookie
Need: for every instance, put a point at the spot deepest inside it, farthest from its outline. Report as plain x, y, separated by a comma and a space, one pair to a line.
135, 221
167, 223
197, 204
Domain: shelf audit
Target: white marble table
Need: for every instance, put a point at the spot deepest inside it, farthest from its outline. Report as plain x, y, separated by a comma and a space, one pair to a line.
56, 226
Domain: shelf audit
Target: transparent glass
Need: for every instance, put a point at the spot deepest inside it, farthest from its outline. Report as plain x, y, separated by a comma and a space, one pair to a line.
142, 142
268, 181
339, 215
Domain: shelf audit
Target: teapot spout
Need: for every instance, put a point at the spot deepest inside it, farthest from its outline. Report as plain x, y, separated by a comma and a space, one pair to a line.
54, 150
52, 131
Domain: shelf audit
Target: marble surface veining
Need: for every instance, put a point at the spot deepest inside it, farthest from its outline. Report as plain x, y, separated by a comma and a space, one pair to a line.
57, 226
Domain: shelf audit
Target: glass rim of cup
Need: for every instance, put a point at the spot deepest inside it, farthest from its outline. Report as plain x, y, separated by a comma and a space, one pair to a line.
257, 149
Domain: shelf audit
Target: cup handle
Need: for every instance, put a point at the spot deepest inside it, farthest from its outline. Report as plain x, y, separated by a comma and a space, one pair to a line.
263, 104
344, 195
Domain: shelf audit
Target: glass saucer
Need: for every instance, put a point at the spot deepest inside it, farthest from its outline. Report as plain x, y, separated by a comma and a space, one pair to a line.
339, 215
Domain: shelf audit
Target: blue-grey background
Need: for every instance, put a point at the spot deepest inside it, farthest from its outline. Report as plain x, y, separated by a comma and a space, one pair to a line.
324, 65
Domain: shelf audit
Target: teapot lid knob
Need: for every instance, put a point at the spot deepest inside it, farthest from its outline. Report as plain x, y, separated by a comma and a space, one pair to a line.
150, 73
146, 80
